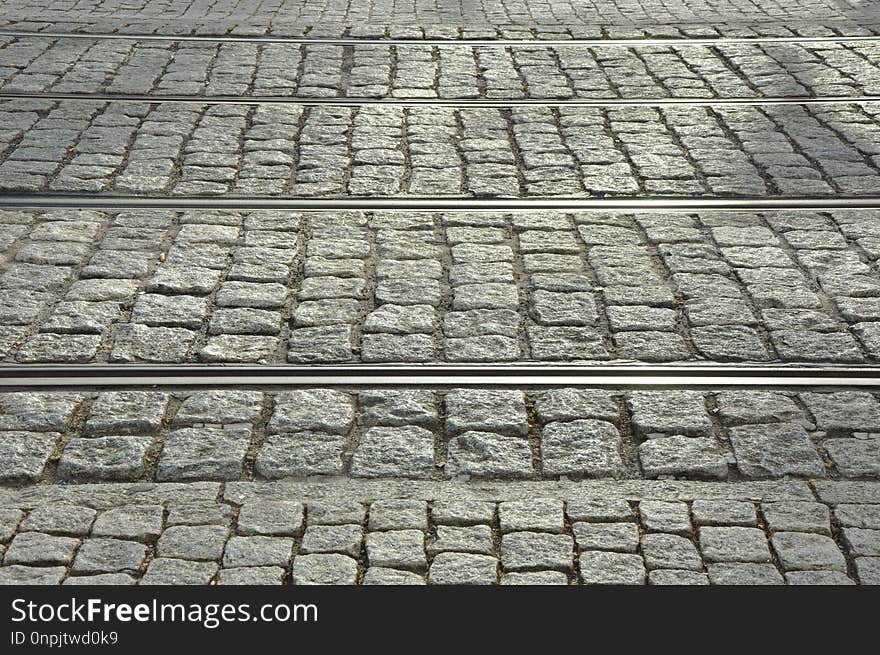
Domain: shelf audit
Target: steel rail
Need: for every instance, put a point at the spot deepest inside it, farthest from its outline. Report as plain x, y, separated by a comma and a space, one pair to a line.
444, 204
344, 101
501, 43
439, 375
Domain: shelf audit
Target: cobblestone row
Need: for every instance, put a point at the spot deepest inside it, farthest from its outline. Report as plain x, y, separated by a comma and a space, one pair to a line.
412, 71
486, 19
480, 434
384, 150
202, 533
338, 287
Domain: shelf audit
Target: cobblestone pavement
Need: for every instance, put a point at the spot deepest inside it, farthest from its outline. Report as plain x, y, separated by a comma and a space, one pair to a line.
594, 533
451, 484
446, 19
485, 434
412, 71
337, 287
192, 149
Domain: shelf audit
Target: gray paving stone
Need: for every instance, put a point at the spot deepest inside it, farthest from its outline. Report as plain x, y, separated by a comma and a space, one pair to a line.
170, 571
802, 551
862, 542
486, 410
400, 319
398, 549
24, 455
823, 578
535, 578
300, 454
462, 512
398, 514
278, 518
204, 453
397, 408
774, 450
747, 407
258, 550
855, 457
545, 515
336, 512
378, 575
322, 410
108, 579
669, 551
562, 343
198, 542
397, 348
394, 452
665, 516
328, 344
581, 448
109, 556
137, 343
324, 570
70, 520
604, 568
16, 574
621, 537
251, 575
489, 455
856, 516
37, 412
677, 577
867, 568
724, 512
669, 412
844, 411
599, 510
570, 404
797, 517
470, 539
219, 406
463, 569
36, 548
10, 519
678, 455
126, 412
342, 539
196, 513
523, 551
734, 544
137, 522
104, 458
739, 573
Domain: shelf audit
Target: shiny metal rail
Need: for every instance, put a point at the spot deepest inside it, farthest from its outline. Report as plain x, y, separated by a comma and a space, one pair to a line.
440, 375
444, 204
470, 103
499, 43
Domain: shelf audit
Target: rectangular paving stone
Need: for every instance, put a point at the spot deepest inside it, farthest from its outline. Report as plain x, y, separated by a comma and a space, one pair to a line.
70, 520
536, 551
202, 542
734, 544
803, 551
137, 522
621, 537
458, 568
544, 515
274, 518
604, 568
36, 549
109, 556
398, 549
170, 571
